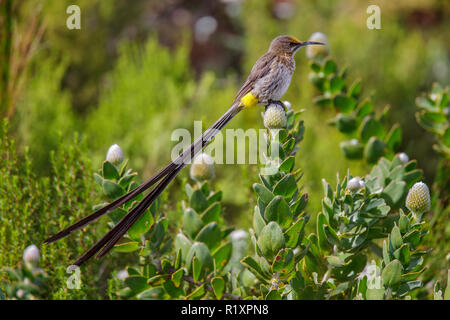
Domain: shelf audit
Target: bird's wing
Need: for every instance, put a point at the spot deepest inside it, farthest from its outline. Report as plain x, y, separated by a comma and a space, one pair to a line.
259, 70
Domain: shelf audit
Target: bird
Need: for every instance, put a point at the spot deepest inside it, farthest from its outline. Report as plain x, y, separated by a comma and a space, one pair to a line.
267, 82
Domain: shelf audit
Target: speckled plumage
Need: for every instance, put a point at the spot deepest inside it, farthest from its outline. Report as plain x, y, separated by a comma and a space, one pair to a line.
272, 73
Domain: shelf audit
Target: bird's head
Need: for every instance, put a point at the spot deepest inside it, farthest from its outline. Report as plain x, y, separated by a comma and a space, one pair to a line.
289, 45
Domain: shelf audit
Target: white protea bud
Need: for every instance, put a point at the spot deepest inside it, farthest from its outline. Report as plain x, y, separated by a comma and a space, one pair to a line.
122, 275
418, 198
115, 154
238, 235
403, 157
288, 105
202, 167
354, 184
31, 256
274, 117
318, 52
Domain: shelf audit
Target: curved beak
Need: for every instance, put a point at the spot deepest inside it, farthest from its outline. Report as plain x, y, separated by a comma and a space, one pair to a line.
307, 43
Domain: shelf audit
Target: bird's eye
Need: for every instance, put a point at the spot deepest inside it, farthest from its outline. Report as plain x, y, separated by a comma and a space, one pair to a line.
292, 44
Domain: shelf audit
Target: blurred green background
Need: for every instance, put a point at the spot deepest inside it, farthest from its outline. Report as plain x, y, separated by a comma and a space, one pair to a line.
137, 70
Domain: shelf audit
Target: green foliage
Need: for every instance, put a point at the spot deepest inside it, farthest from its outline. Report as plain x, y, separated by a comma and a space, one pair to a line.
32, 208
355, 117
434, 116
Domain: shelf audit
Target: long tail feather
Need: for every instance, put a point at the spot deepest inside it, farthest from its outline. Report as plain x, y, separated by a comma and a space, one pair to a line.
113, 205
169, 173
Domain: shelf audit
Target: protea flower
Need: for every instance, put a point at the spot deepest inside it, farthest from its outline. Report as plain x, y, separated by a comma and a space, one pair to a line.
31, 256
274, 117
115, 155
202, 168
418, 198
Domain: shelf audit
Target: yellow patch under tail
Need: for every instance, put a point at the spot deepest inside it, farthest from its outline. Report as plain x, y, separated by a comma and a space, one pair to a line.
249, 100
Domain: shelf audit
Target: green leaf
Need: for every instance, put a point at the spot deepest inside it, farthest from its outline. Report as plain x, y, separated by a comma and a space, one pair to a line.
345, 123
173, 290
278, 210
273, 295
177, 276
141, 226
264, 194
394, 193
99, 179
127, 247
396, 238
336, 84
394, 138
271, 239
412, 237
212, 213
109, 171
201, 251
196, 268
386, 256
298, 206
371, 128
329, 67
215, 197
111, 189
218, 285
286, 187
403, 223
184, 244
197, 293
403, 254
192, 223
210, 235
365, 108
151, 294
352, 149
344, 104
287, 165
137, 283
321, 222
258, 221
322, 101
331, 235
426, 104
125, 181
284, 262
355, 89
409, 286
254, 268
222, 254
198, 201
392, 273
293, 233
374, 150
